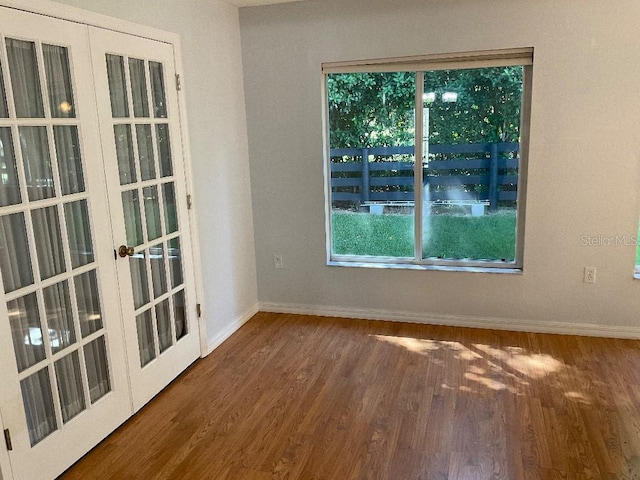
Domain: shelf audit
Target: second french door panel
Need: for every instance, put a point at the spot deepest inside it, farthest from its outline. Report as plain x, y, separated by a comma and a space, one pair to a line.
144, 169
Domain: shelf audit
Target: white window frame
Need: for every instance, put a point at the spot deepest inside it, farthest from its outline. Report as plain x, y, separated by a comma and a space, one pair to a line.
420, 64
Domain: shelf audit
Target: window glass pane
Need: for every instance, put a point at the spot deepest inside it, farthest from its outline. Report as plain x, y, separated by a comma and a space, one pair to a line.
26, 330
70, 388
79, 233
9, 185
95, 357
169, 203
637, 240
152, 212
46, 228
139, 279
132, 217
25, 78
164, 150
37, 162
56, 66
146, 343
88, 301
145, 152
163, 319
4, 111
124, 154
15, 259
371, 131
38, 405
117, 86
156, 256
180, 315
138, 88
69, 158
175, 262
59, 314
157, 87
472, 129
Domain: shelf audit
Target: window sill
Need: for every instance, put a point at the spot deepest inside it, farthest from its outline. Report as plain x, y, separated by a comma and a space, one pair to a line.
442, 268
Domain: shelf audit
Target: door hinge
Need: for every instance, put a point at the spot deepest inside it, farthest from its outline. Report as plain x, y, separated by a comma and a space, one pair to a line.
198, 310
189, 202
7, 439
178, 83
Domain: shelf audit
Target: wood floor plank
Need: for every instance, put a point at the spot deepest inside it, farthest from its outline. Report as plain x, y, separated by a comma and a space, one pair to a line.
300, 397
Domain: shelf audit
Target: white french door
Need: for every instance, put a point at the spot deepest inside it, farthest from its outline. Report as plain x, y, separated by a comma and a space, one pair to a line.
90, 160
138, 109
64, 381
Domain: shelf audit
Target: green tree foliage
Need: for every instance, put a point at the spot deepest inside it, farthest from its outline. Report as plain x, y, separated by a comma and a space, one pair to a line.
377, 109
371, 109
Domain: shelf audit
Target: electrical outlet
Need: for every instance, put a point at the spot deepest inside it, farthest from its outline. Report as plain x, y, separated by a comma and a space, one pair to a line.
277, 261
589, 274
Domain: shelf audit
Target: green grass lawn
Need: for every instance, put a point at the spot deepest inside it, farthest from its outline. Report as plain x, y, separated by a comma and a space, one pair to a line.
490, 237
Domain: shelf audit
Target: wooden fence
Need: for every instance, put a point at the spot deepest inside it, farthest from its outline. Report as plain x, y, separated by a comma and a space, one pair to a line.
490, 175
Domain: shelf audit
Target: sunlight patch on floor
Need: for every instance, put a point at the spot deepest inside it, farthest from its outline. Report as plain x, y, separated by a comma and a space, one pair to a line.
533, 365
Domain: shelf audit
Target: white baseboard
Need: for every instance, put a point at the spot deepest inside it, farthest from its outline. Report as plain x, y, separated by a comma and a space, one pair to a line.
230, 329
522, 325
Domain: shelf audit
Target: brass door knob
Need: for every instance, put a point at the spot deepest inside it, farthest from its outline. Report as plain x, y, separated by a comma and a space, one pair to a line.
125, 251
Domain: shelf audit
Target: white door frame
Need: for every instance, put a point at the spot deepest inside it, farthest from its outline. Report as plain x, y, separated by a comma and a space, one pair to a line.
65, 12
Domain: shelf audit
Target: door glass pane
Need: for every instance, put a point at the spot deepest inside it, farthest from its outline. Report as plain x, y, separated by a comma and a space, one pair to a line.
9, 185
146, 344
38, 405
138, 88
170, 212
164, 150
117, 86
175, 262
70, 388
157, 90
59, 314
124, 153
26, 330
69, 158
88, 301
163, 319
79, 233
46, 228
180, 315
37, 162
95, 356
145, 152
152, 212
139, 279
56, 66
25, 79
15, 259
4, 111
132, 217
156, 256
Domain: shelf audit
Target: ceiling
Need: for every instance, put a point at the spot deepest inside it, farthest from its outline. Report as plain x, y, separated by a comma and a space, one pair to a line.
255, 3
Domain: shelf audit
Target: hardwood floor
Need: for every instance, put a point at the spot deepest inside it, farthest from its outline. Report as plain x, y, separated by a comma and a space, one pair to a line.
301, 397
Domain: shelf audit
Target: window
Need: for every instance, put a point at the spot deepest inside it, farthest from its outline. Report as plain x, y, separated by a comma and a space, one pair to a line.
426, 159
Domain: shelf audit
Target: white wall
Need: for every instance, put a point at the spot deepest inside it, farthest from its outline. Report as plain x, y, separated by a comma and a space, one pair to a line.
212, 79
584, 173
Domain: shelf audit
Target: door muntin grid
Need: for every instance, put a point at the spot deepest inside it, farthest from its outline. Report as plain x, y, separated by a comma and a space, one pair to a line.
142, 139
50, 276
